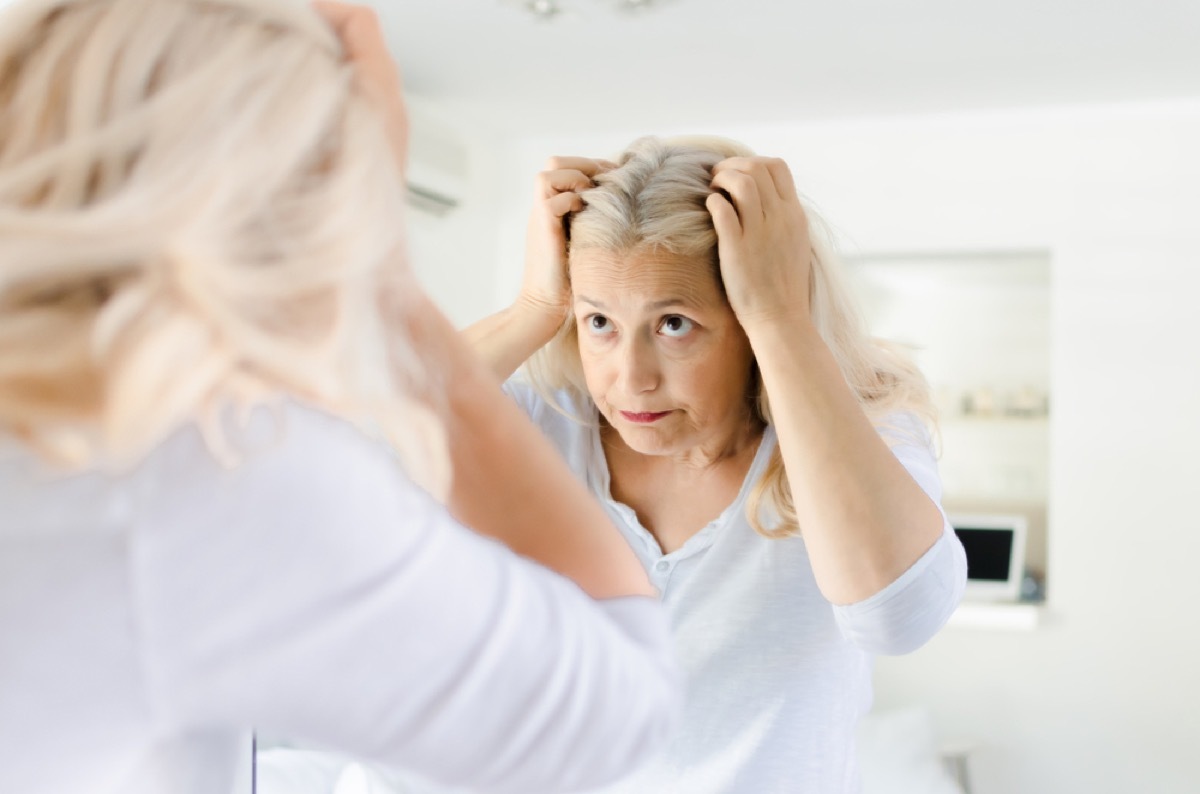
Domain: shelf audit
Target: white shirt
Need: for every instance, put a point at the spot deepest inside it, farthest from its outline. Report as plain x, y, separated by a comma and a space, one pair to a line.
777, 676
148, 621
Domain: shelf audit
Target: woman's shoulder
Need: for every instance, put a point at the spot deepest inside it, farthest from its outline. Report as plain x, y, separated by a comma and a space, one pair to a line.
905, 428
567, 418
286, 449
912, 440
551, 408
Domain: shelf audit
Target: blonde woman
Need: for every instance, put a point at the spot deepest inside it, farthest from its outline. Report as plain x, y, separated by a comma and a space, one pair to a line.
702, 370
219, 390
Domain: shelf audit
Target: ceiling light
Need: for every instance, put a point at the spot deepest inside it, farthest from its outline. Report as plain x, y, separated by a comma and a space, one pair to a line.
548, 9
543, 8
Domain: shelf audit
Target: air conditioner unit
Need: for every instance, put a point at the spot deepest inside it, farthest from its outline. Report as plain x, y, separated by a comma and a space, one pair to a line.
437, 161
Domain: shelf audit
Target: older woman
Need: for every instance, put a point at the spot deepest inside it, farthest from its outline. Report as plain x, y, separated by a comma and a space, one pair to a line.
219, 390
702, 370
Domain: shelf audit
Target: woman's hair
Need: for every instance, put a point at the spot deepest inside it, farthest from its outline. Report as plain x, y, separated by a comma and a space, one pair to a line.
656, 199
197, 209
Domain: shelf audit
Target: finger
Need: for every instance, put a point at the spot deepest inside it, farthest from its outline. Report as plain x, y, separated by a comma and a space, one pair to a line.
563, 204
781, 175
756, 168
743, 192
354, 25
362, 39
725, 218
552, 182
376, 74
584, 165
335, 14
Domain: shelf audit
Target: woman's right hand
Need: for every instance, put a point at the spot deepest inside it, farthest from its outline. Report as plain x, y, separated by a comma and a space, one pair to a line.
544, 288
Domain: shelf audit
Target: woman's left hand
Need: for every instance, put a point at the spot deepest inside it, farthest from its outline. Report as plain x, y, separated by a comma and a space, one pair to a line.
358, 28
763, 239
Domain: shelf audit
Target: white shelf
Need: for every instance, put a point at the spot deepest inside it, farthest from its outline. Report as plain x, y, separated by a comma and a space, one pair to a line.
979, 420
996, 617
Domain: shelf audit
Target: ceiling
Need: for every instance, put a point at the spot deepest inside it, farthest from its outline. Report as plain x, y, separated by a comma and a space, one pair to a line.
696, 62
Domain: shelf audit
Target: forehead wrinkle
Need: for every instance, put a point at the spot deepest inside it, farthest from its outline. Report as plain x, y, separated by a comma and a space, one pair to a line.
653, 280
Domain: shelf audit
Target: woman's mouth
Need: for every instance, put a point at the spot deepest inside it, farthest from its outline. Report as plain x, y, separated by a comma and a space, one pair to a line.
643, 417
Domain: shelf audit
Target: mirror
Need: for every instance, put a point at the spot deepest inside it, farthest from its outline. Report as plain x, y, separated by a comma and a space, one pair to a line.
1017, 192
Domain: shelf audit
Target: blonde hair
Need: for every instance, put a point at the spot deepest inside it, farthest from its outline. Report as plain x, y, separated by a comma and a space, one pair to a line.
656, 199
197, 209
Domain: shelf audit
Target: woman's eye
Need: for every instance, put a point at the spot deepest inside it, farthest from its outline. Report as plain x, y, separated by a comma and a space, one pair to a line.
676, 326
599, 325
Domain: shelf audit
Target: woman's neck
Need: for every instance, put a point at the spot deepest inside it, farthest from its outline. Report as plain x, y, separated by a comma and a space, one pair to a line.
736, 444
674, 496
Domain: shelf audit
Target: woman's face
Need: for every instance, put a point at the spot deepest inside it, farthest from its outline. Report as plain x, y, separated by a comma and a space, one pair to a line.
665, 359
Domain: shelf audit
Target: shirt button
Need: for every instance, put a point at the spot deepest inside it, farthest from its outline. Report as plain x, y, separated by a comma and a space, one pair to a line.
662, 566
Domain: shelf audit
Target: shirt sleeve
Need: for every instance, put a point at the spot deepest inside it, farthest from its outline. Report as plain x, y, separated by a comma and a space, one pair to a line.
908, 612
522, 393
315, 593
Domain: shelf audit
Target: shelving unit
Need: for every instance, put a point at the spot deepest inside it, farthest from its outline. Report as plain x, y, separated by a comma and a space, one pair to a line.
978, 326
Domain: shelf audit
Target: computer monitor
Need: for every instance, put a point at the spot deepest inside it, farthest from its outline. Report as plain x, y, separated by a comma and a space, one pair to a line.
995, 546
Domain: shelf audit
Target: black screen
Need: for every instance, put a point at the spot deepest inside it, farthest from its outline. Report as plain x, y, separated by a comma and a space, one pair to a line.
988, 552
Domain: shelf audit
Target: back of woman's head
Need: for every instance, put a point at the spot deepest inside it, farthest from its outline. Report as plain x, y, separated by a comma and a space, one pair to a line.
196, 206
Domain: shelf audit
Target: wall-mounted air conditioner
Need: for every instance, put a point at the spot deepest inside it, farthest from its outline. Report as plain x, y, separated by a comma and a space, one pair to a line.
437, 161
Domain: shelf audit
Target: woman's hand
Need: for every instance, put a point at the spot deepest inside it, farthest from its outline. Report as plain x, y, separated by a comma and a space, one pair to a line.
508, 338
763, 240
378, 76
544, 288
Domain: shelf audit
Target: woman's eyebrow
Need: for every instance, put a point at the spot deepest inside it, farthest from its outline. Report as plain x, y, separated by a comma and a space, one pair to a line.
662, 304
593, 301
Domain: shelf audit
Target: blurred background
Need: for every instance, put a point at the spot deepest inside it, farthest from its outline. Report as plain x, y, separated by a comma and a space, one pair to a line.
1016, 190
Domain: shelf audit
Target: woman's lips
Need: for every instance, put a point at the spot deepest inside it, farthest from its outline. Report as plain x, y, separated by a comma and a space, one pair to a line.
643, 417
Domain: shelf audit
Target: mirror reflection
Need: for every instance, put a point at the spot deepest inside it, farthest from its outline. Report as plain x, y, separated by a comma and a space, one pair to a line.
979, 328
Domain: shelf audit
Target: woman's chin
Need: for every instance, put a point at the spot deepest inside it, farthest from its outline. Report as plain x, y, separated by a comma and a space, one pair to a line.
647, 440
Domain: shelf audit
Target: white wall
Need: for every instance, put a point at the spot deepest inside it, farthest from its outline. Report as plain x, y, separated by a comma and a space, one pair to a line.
454, 254
1102, 698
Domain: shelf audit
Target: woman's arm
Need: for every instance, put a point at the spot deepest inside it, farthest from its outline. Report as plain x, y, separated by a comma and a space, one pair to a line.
317, 594
511, 484
505, 340
865, 520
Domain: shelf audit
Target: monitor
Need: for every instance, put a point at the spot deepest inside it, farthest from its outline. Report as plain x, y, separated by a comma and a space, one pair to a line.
995, 546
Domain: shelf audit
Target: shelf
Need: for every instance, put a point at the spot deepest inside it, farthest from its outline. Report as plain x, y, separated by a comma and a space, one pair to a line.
1041, 420
996, 617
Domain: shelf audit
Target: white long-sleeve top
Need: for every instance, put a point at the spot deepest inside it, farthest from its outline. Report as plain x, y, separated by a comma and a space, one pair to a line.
777, 676
148, 621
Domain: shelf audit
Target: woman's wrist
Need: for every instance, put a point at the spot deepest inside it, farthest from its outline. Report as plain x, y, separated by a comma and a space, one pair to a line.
539, 319
788, 328
538, 310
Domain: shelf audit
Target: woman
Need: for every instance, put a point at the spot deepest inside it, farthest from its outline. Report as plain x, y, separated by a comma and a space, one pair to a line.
702, 371
219, 388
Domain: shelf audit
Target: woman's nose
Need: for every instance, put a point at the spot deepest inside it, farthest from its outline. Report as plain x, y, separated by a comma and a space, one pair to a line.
639, 367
